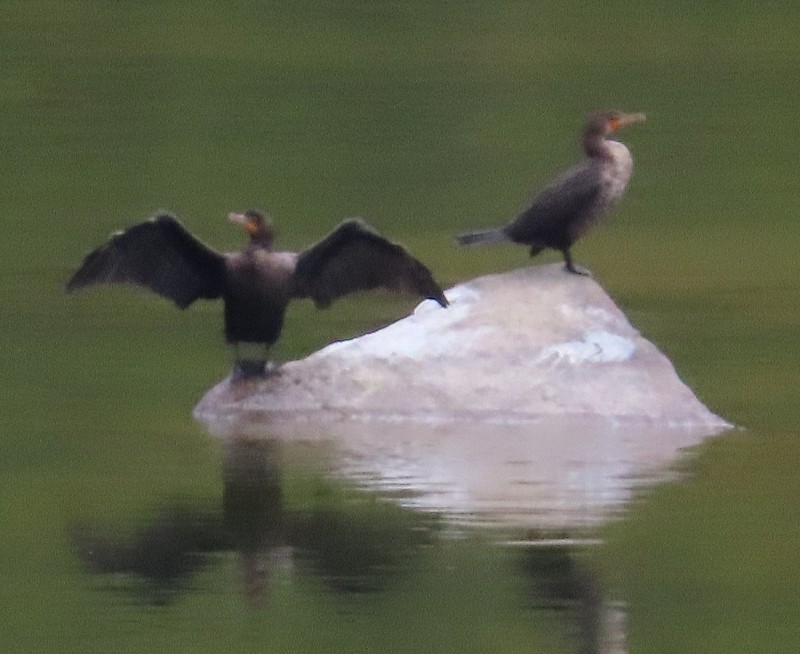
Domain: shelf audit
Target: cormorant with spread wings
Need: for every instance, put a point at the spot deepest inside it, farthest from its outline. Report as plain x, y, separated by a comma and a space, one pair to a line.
256, 284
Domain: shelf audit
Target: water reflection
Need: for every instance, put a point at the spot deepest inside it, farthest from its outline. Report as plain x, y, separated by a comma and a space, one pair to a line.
158, 559
253, 512
353, 542
560, 472
559, 579
386, 502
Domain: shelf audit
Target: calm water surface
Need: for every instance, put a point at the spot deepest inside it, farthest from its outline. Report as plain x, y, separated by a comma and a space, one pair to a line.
368, 542
128, 528
375, 513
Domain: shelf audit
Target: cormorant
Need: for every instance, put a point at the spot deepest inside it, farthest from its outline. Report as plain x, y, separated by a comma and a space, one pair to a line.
564, 211
256, 284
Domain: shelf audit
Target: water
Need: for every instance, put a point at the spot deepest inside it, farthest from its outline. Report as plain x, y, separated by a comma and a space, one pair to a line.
352, 511
350, 545
427, 121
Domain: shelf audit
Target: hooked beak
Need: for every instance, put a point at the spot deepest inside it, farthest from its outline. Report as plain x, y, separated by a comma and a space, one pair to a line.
238, 218
630, 119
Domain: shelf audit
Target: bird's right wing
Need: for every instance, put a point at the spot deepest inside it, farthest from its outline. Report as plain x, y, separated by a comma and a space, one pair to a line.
159, 254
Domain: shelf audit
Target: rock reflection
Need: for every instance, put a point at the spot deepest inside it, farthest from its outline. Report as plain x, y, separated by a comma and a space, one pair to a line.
560, 472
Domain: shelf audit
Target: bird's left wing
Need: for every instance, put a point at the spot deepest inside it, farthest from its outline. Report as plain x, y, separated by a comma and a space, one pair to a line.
355, 258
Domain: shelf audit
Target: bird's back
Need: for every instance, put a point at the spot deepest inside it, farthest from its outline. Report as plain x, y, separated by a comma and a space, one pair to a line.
558, 209
574, 201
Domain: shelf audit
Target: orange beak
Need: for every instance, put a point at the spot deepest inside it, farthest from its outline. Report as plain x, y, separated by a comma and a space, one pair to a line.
624, 120
244, 221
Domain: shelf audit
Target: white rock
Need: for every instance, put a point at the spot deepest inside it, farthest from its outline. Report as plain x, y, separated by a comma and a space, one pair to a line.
518, 346
530, 400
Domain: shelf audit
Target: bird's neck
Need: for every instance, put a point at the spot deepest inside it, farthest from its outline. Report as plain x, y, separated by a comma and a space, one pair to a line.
598, 147
261, 241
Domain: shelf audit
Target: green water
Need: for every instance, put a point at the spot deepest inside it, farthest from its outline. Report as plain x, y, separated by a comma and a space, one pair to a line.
426, 119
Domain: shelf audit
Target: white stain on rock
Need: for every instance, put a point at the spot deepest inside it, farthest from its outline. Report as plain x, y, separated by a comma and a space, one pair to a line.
596, 346
428, 332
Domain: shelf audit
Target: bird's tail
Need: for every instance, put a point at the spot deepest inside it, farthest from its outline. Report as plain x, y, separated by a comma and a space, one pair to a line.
482, 237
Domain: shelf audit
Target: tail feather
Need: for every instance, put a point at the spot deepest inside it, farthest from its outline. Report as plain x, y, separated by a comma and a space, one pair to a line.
482, 237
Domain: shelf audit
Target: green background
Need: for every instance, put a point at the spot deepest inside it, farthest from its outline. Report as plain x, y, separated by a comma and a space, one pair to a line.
426, 119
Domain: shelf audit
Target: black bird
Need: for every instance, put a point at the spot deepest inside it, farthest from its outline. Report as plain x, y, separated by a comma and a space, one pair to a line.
564, 211
256, 284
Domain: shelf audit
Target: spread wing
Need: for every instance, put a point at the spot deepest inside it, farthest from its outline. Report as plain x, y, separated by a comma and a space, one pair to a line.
564, 205
159, 254
355, 258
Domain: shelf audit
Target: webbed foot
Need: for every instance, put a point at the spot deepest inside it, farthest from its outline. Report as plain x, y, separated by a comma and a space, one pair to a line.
577, 270
569, 264
248, 369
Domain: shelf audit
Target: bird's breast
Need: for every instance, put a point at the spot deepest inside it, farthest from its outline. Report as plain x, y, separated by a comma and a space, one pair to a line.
617, 171
262, 274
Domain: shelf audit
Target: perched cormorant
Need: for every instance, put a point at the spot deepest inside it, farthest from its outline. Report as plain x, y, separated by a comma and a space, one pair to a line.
564, 211
256, 284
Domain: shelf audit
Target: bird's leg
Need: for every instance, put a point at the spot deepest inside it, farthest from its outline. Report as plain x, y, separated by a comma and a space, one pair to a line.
570, 264
271, 366
251, 363
235, 353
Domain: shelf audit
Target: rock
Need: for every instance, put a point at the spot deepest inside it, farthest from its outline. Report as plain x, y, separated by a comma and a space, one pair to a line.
531, 401
513, 347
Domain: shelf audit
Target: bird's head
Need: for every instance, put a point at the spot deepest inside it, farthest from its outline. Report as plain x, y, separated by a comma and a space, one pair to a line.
601, 125
256, 224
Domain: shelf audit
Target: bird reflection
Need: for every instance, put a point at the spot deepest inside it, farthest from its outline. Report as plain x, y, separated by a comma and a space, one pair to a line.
560, 580
160, 558
253, 515
352, 541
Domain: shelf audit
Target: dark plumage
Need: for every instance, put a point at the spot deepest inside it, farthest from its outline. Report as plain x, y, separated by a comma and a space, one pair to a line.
256, 284
564, 211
